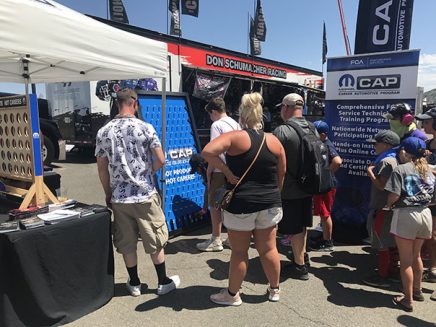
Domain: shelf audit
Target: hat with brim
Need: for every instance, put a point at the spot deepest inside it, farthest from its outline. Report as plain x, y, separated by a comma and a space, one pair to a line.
429, 114
414, 146
385, 136
292, 100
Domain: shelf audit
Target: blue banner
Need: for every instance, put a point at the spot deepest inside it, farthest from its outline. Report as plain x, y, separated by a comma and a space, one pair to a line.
383, 25
359, 90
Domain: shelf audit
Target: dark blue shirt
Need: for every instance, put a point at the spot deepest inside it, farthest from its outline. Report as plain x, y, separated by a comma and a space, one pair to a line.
332, 153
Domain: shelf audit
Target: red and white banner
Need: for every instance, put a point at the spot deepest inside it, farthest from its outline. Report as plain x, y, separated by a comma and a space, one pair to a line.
210, 60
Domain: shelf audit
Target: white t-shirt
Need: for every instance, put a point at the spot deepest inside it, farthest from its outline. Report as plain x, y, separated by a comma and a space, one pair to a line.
221, 126
127, 144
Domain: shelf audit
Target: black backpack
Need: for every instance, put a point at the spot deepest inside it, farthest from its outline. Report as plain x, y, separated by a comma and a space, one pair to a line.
314, 175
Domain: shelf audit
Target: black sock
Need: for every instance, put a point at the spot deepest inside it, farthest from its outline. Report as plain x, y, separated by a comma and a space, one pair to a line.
232, 294
133, 274
162, 274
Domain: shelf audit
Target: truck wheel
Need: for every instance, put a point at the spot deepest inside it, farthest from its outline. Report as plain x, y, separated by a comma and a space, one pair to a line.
48, 151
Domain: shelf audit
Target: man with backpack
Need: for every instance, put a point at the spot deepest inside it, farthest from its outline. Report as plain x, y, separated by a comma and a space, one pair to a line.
307, 173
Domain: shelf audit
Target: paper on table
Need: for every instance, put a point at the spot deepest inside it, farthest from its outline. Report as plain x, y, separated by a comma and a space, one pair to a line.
59, 215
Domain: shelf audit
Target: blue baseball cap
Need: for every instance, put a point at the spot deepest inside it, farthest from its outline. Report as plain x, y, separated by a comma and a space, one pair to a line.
321, 126
414, 146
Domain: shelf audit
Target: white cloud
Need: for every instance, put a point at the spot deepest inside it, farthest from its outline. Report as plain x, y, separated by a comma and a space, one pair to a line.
427, 71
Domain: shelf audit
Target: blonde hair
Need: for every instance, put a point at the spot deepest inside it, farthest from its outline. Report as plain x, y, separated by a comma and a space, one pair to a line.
422, 167
250, 110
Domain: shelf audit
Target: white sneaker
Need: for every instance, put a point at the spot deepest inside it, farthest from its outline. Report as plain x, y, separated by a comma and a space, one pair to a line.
211, 245
319, 227
224, 298
133, 290
273, 294
164, 289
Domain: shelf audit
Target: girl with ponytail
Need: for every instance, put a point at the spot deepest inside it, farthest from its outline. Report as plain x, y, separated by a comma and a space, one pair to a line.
411, 188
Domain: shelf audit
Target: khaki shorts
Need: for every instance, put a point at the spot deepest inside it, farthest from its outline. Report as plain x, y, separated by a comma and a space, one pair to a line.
216, 181
412, 223
246, 222
145, 218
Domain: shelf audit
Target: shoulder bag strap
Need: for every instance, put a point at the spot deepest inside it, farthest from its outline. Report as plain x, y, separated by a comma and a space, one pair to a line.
228, 124
252, 163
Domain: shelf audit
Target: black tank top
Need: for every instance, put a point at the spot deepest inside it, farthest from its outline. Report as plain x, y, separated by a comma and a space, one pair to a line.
259, 189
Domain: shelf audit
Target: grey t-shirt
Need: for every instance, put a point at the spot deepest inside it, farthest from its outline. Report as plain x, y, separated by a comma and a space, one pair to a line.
413, 190
291, 142
384, 168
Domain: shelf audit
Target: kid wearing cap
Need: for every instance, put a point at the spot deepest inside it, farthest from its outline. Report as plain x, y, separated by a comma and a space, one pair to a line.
379, 220
323, 203
402, 121
410, 188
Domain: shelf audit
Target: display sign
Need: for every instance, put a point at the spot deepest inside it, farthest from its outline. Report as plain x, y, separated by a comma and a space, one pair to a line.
383, 25
210, 60
16, 147
359, 90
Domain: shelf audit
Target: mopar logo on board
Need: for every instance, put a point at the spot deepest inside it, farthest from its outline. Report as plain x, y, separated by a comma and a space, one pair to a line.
346, 81
371, 84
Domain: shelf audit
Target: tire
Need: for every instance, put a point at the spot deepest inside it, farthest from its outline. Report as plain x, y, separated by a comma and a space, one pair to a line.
48, 151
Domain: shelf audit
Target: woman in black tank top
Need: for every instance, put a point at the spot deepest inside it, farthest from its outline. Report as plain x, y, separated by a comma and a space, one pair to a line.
256, 204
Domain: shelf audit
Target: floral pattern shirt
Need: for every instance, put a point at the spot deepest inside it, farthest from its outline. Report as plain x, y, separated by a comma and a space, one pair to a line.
127, 144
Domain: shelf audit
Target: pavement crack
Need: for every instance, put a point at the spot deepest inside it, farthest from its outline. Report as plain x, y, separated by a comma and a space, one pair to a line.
316, 322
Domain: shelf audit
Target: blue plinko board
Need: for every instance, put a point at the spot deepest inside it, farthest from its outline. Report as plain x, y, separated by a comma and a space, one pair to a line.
183, 191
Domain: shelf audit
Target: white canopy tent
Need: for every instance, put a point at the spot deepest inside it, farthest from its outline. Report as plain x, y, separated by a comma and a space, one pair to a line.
42, 41
58, 44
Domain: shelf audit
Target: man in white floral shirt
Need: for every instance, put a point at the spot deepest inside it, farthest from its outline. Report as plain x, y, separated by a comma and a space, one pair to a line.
128, 154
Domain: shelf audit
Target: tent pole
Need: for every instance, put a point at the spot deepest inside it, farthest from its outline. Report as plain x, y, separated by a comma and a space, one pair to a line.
164, 137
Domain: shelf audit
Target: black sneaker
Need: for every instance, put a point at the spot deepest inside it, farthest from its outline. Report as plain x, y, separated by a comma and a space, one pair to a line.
429, 276
326, 246
290, 256
377, 281
297, 271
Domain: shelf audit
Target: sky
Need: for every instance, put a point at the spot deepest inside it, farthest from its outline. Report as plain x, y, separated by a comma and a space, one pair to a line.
294, 28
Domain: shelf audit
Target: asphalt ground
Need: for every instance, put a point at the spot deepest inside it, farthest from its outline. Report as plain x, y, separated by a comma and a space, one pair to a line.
333, 296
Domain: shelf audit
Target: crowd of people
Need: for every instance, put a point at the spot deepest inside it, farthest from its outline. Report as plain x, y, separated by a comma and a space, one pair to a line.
277, 181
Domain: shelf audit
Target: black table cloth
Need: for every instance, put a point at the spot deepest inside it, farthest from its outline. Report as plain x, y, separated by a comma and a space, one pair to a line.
55, 274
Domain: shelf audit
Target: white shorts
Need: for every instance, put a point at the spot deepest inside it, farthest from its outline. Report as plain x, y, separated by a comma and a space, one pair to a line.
412, 223
246, 222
